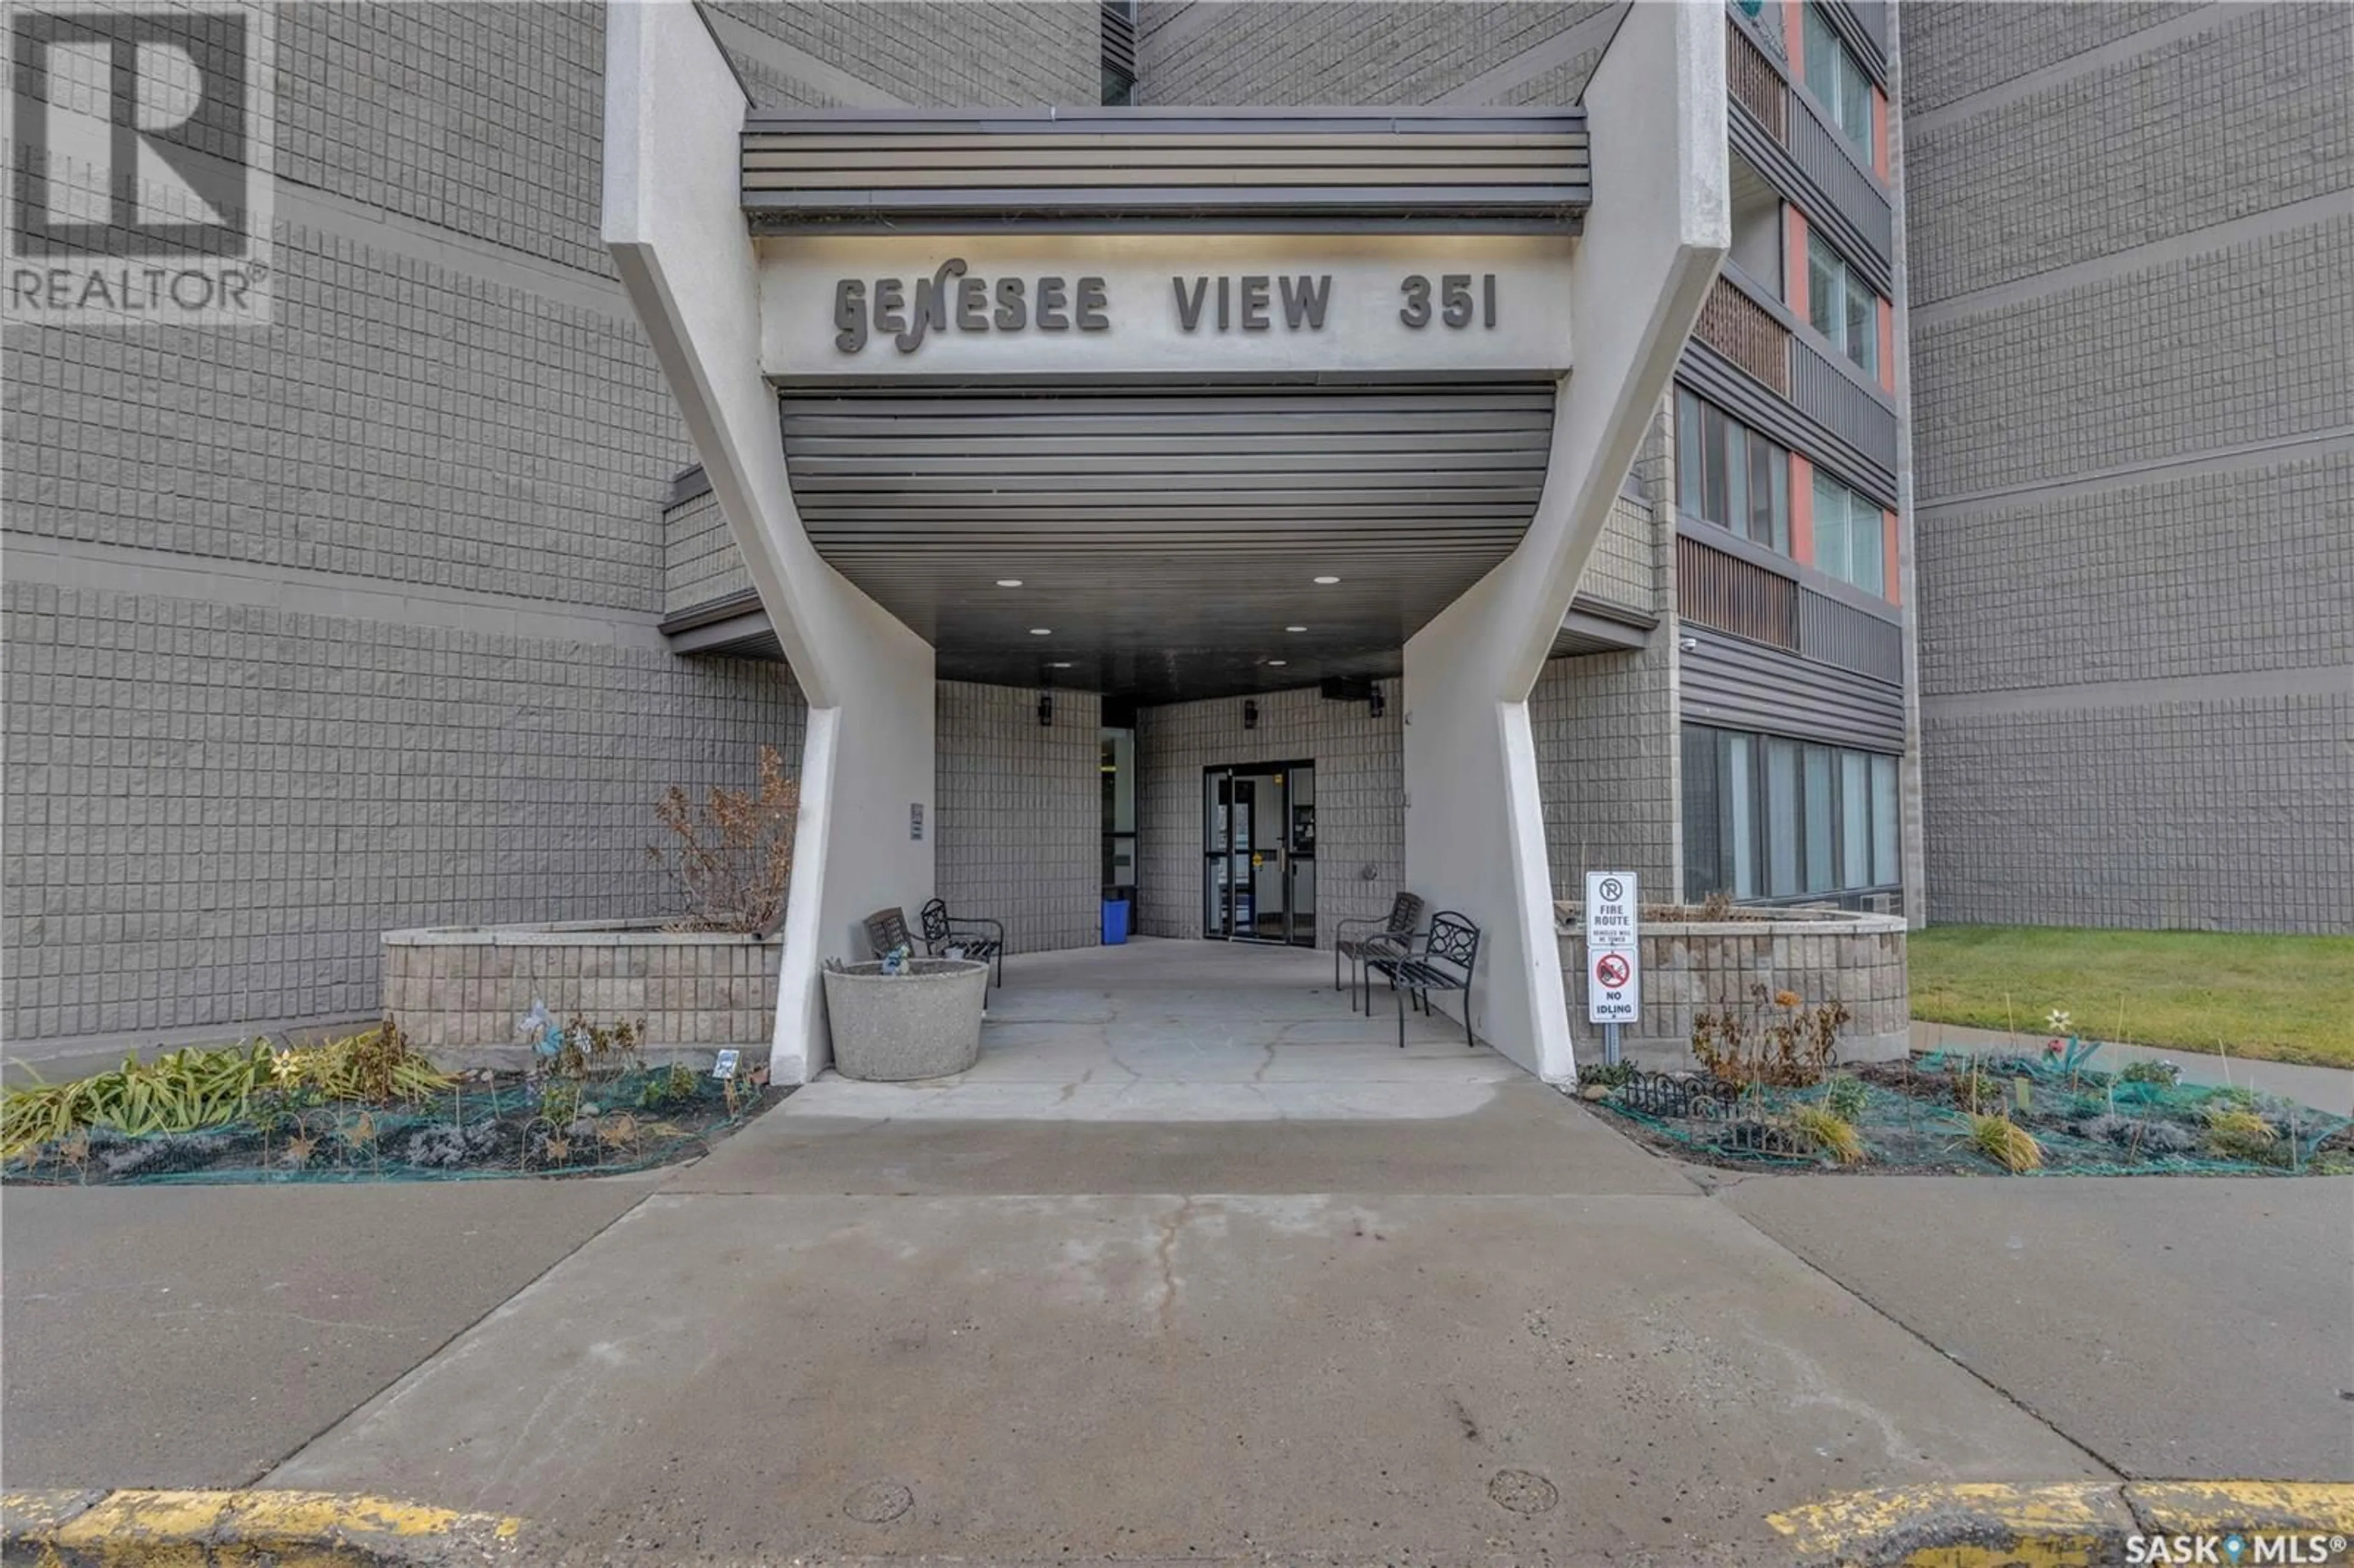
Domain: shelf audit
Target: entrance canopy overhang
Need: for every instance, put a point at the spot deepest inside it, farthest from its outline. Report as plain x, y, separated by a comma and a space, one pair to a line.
1172, 404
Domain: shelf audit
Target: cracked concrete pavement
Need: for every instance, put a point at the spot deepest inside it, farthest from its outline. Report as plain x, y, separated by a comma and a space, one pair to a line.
1198, 1267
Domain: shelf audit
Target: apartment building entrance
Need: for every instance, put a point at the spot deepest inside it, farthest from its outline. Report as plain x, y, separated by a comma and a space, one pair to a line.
1258, 852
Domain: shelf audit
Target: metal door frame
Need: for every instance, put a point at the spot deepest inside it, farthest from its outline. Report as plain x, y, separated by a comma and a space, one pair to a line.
1213, 855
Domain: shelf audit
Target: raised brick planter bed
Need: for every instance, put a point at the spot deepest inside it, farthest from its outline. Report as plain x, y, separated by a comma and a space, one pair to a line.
1696, 966
457, 991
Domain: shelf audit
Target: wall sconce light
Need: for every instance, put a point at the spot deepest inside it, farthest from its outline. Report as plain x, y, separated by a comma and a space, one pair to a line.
1046, 710
1250, 714
1375, 704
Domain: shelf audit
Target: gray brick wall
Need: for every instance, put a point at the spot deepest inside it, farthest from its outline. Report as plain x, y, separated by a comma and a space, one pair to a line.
2251, 343
939, 53
1359, 798
214, 812
700, 560
1607, 751
2244, 571
1019, 813
2250, 115
2230, 815
1955, 48
215, 809
2132, 368
1301, 51
399, 420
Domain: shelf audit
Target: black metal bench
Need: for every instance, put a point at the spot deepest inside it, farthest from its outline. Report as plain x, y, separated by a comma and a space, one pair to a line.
1391, 933
886, 932
1442, 959
978, 937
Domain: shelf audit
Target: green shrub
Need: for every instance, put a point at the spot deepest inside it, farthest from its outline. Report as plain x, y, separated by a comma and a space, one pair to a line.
1845, 1097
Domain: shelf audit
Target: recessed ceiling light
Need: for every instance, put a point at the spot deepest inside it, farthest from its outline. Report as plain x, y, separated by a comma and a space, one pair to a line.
1327, 582
1059, 665
1042, 631
1009, 582
1295, 629
1278, 660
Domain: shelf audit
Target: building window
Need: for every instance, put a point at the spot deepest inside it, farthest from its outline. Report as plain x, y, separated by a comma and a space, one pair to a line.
1848, 536
1770, 817
1728, 475
1839, 83
1841, 306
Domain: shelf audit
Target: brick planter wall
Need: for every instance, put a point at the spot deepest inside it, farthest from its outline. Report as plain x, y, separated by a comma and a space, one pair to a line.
1693, 966
457, 991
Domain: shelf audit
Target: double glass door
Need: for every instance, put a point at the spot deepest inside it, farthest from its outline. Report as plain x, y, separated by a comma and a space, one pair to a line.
1258, 852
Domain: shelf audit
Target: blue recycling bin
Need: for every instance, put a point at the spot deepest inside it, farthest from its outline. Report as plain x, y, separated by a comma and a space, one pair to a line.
1115, 921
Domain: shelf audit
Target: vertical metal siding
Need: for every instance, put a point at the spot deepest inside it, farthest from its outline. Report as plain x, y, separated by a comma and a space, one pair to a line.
1830, 632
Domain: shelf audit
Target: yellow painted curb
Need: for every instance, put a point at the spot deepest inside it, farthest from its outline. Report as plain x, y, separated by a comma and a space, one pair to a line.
2071, 1524
228, 1530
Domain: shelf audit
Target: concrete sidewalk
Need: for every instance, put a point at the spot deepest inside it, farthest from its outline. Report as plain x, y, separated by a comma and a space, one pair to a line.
1422, 1308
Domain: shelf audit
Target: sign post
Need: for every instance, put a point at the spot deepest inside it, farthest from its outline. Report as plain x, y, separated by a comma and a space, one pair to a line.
1614, 961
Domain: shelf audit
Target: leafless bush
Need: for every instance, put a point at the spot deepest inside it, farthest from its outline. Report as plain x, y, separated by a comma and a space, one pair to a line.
731, 858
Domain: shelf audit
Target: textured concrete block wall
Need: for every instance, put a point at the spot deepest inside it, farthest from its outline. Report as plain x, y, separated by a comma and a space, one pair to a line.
1607, 757
458, 994
700, 560
1359, 798
1692, 968
1019, 814
1373, 53
2134, 370
2233, 813
347, 623
215, 811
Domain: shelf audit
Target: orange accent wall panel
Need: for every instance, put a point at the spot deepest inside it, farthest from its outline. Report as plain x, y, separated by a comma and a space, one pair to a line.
1794, 260
1893, 590
1802, 510
1793, 36
1887, 346
1879, 133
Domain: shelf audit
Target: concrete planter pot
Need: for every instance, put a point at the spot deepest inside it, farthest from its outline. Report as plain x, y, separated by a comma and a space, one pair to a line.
922, 1024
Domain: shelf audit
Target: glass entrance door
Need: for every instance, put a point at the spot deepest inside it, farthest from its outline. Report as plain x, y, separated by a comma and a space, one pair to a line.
1258, 852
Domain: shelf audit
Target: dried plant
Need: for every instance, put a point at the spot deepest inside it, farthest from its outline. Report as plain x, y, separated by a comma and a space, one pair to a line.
1826, 1132
2002, 1140
1717, 905
732, 857
1778, 1039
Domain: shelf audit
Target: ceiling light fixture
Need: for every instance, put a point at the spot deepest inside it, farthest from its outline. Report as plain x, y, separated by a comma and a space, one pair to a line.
1278, 660
1295, 629
1009, 582
1058, 665
1042, 631
1327, 582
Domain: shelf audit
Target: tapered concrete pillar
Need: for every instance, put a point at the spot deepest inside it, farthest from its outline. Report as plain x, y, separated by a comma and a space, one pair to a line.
674, 222
1659, 225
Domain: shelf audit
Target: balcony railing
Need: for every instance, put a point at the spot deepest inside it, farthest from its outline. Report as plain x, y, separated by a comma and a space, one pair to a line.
1737, 327
1723, 591
1753, 83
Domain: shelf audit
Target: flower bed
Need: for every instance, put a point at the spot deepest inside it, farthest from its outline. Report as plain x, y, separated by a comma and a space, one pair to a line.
368, 1108
1951, 1112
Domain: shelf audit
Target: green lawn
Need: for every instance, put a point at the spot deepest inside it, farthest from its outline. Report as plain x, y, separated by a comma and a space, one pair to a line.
2285, 999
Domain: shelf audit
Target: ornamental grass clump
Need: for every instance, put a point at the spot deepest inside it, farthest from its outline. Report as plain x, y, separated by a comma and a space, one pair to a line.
731, 859
2002, 1140
179, 1091
1824, 1131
